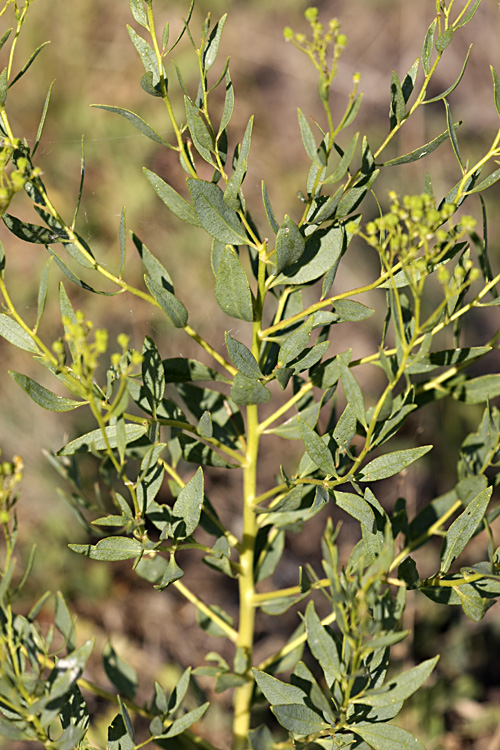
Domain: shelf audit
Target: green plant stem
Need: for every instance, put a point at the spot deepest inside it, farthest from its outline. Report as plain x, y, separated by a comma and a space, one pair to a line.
243, 694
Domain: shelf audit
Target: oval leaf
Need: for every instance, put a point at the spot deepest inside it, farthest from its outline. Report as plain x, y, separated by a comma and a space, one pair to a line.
232, 290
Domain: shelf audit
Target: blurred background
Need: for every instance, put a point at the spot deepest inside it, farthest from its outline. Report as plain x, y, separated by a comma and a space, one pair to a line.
93, 61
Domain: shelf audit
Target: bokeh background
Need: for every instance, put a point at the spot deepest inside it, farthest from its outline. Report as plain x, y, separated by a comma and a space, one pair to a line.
93, 61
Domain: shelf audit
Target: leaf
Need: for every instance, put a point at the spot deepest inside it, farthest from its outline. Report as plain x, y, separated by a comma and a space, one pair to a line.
353, 197
203, 139
316, 449
422, 151
391, 463
3, 87
353, 392
28, 64
400, 687
122, 675
110, 549
153, 374
307, 137
179, 692
398, 104
452, 134
212, 46
32, 232
155, 269
43, 397
454, 85
486, 183
290, 244
323, 249
269, 209
64, 622
187, 507
169, 303
94, 441
138, 12
146, 53
232, 196
134, 120
470, 15
478, 390
463, 529
444, 39
220, 221
232, 290
172, 573
386, 737
350, 310
357, 507
496, 89
13, 332
322, 645
428, 47
180, 207
243, 358
296, 343
184, 722
276, 692
299, 719
344, 163
249, 391
118, 735
227, 112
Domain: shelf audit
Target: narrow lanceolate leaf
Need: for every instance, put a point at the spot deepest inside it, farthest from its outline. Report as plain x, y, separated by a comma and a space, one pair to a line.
390, 464
138, 12
385, 736
276, 692
428, 47
399, 688
187, 508
220, 221
43, 397
344, 162
184, 722
181, 208
299, 719
269, 209
463, 528
452, 134
398, 105
475, 391
307, 137
146, 53
32, 232
212, 46
111, 549
243, 358
155, 269
322, 646
453, 85
94, 441
290, 244
357, 507
136, 121
122, 675
419, 153
496, 89
169, 303
353, 392
28, 64
202, 138
470, 15
316, 449
232, 290
13, 332
227, 112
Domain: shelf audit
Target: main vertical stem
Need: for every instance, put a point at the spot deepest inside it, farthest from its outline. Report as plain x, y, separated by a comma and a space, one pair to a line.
243, 694
244, 644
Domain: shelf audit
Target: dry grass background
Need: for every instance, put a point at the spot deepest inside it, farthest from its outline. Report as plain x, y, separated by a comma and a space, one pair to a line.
94, 62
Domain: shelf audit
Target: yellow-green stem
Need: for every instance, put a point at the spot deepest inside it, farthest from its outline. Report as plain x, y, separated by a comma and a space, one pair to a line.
243, 694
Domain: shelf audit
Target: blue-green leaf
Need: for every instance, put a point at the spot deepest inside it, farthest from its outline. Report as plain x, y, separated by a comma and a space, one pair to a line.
134, 120
94, 441
187, 508
232, 290
463, 529
13, 332
299, 719
316, 449
243, 358
169, 303
111, 549
43, 397
220, 221
390, 464
322, 645
181, 208
290, 244
276, 692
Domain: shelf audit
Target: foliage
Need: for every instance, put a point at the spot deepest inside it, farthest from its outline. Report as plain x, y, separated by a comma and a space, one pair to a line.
156, 417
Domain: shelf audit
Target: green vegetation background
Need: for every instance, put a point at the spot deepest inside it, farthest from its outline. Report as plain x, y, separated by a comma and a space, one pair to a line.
93, 61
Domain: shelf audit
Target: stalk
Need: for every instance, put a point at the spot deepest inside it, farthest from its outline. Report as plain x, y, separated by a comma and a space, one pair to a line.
244, 644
